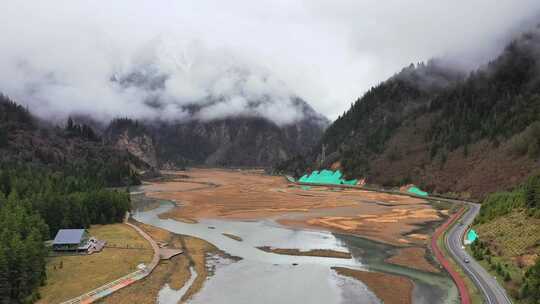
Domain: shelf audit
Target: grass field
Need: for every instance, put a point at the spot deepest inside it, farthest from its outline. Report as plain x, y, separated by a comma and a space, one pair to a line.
71, 276
511, 236
514, 242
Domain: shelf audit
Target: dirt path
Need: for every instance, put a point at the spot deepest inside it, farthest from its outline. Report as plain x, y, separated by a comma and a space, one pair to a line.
155, 259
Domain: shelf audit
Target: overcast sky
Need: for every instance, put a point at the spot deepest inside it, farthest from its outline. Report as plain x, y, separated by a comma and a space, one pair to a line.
60, 56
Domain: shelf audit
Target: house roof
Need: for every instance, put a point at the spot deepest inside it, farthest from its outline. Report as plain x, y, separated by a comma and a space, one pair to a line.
69, 236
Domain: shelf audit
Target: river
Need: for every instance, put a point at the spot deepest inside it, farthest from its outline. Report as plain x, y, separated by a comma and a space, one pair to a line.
262, 277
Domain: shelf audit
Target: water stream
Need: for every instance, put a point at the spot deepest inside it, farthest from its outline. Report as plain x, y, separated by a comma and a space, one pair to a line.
263, 277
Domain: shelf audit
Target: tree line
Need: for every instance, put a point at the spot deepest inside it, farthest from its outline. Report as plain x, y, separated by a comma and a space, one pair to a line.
524, 197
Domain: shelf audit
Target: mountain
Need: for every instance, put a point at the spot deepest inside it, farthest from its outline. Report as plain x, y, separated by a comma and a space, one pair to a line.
240, 125
245, 140
450, 133
29, 141
473, 136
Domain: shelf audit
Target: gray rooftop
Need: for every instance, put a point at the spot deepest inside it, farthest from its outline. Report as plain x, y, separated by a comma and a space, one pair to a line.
69, 236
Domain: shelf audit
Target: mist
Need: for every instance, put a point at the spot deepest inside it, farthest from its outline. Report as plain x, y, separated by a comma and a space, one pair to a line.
158, 59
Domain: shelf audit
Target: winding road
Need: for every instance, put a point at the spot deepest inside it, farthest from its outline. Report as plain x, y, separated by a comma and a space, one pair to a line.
493, 292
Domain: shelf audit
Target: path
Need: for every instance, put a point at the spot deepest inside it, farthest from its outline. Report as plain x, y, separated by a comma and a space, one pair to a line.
124, 281
155, 259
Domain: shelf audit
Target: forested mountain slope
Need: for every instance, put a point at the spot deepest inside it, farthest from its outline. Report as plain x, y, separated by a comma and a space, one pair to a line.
448, 132
24, 139
51, 178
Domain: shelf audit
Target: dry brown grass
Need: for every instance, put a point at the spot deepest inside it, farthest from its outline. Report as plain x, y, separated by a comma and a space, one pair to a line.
71, 276
391, 289
252, 195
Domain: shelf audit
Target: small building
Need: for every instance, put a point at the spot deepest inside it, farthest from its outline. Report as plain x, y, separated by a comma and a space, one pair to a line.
71, 240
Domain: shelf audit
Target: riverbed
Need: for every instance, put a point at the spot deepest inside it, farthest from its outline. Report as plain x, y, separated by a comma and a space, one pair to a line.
263, 277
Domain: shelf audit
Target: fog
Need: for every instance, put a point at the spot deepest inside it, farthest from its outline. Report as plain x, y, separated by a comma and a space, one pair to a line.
150, 59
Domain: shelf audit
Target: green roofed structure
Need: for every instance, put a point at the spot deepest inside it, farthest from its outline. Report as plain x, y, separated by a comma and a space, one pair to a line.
471, 237
326, 177
417, 191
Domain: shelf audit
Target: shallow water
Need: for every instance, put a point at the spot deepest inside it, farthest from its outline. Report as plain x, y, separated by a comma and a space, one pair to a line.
168, 295
263, 277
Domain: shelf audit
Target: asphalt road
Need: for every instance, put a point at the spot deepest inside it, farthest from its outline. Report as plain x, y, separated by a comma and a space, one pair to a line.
493, 292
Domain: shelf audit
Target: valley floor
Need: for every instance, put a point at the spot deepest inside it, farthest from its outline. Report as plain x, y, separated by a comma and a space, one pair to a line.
251, 195
202, 194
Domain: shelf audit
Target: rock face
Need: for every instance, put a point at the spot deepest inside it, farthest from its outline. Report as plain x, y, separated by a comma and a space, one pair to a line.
140, 146
130, 136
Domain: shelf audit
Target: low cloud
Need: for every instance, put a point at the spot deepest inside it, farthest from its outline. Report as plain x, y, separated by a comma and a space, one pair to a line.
160, 59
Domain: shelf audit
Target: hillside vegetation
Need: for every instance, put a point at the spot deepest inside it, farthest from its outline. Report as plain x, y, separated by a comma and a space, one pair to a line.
509, 244
448, 132
25, 140
51, 178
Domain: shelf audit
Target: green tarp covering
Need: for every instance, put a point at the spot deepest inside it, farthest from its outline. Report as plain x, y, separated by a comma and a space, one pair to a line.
471, 236
326, 177
417, 191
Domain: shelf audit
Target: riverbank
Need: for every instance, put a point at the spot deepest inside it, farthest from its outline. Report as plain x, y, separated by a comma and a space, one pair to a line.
175, 272
325, 253
414, 257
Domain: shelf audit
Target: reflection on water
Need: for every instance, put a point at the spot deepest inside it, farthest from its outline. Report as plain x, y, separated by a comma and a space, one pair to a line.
263, 277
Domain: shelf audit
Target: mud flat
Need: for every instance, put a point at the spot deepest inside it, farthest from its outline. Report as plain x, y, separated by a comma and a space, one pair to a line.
232, 236
390, 289
251, 195
314, 252
413, 257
